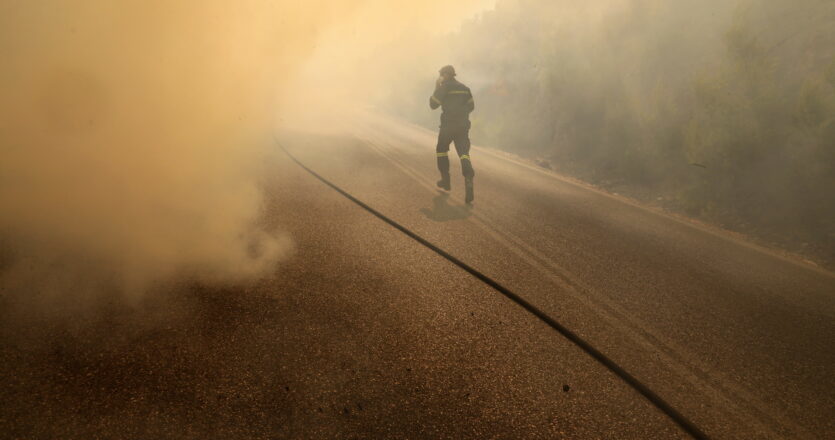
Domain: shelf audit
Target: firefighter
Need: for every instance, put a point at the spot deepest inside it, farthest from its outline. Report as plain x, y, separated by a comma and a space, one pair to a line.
457, 103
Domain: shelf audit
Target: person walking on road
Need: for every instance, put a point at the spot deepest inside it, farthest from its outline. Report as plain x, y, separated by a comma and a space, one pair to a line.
457, 103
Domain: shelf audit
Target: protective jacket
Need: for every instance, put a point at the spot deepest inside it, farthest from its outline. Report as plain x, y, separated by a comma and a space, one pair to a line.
456, 101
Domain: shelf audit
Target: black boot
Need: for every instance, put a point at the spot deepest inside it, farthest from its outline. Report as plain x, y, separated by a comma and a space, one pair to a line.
468, 190
444, 183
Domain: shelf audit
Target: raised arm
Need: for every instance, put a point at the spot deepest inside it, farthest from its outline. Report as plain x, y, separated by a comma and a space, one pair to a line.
437, 97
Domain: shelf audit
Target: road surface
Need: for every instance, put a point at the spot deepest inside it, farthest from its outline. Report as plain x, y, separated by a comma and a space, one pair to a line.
364, 333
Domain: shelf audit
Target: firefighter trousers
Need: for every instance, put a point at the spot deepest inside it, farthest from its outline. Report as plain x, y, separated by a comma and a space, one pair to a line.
461, 137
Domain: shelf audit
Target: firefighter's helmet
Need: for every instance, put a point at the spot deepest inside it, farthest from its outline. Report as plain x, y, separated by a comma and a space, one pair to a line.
447, 70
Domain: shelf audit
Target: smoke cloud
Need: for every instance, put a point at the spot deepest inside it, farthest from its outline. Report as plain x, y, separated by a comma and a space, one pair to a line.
130, 133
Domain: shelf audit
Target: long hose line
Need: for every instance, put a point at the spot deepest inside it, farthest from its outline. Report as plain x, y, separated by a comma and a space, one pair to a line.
688, 426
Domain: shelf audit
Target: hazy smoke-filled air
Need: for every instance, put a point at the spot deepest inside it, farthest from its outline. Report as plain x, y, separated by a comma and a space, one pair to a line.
130, 131
722, 110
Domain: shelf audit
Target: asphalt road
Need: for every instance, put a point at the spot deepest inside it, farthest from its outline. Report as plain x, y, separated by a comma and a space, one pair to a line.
364, 333
736, 337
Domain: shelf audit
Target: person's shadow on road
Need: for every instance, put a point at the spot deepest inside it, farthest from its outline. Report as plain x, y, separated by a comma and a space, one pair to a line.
442, 211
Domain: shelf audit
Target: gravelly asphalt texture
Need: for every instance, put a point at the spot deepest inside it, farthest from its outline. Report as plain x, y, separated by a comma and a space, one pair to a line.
363, 333
736, 337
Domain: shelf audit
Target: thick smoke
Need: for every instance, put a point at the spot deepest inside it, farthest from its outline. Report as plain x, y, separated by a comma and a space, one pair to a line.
131, 131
